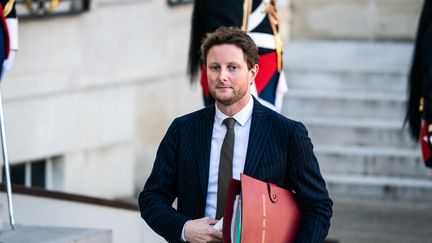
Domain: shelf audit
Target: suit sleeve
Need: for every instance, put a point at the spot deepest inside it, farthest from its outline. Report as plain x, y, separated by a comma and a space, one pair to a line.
304, 176
160, 190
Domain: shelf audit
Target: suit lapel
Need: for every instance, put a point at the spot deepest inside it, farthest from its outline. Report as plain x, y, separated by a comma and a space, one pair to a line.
204, 130
258, 135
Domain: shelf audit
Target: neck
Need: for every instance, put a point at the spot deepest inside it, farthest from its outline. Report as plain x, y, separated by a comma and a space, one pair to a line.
231, 110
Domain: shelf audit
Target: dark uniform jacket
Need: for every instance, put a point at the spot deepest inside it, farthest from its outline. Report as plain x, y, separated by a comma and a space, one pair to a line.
420, 79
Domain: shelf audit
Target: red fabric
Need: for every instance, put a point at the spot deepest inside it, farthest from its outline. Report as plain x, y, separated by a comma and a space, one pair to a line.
5, 33
426, 150
203, 81
267, 67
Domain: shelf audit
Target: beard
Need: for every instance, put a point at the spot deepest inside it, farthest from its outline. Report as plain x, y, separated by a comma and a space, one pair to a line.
237, 95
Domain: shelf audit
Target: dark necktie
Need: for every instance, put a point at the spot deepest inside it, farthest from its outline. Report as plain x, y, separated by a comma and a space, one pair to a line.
225, 166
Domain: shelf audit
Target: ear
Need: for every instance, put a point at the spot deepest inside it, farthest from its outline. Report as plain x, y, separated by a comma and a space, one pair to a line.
253, 73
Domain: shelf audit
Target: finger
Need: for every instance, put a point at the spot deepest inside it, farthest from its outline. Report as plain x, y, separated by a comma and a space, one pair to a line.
205, 220
212, 221
217, 235
215, 241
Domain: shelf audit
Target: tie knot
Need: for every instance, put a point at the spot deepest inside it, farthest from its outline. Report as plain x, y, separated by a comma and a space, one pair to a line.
229, 122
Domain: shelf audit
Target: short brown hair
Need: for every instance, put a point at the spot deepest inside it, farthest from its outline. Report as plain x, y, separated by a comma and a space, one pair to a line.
235, 36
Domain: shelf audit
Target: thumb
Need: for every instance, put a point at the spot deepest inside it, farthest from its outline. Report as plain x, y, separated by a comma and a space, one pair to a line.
212, 221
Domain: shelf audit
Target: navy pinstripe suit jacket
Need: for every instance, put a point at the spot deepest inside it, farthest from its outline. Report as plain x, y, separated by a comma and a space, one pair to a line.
279, 151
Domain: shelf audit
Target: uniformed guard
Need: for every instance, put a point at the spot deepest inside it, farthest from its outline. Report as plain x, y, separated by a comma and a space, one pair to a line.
260, 19
8, 35
8, 47
419, 110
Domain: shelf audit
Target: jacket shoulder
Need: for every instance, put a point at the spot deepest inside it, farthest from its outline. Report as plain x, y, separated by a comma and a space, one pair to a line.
277, 118
196, 116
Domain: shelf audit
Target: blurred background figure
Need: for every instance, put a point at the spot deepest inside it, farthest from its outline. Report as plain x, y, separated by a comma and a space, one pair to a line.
8, 35
260, 19
419, 110
8, 47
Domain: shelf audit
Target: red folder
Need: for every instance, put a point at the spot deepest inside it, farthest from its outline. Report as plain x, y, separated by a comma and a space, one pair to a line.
269, 213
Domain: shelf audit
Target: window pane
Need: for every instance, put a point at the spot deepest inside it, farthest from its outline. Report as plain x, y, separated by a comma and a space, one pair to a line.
17, 174
38, 173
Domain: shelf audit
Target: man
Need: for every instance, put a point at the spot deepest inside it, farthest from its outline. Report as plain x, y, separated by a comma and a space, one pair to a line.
267, 146
260, 19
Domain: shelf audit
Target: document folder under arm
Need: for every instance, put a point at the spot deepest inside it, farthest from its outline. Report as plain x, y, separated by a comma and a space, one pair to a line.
269, 214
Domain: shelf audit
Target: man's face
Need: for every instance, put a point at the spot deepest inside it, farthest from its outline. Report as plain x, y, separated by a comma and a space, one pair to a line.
229, 78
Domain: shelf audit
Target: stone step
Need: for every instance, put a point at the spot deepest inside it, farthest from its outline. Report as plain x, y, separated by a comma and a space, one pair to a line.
344, 104
37, 234
346, 81
348, 57
358, 20
352, 98
361, 131
371, 161
380, 187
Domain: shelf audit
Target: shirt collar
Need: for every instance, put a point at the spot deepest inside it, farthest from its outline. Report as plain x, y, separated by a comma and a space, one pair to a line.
241, 117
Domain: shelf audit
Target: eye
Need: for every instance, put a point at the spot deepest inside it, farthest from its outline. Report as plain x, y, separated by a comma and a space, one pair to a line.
232, 67
214, 67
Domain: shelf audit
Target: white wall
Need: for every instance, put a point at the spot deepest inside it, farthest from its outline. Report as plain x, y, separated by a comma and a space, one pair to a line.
369, 20
126, 225
85, 86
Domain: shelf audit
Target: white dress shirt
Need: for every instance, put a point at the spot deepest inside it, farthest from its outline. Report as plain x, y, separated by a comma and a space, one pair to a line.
241, 129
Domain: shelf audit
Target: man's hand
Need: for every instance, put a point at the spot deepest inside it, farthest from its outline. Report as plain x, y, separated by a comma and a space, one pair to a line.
201, 230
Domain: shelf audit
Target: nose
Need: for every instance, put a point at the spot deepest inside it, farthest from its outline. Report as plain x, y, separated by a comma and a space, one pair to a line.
223, 75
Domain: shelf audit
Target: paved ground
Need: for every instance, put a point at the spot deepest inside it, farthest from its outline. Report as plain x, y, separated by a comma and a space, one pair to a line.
370, 221
362, 220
